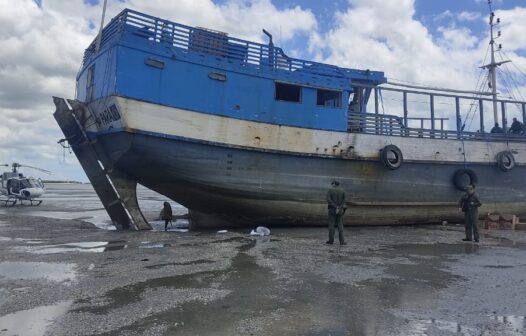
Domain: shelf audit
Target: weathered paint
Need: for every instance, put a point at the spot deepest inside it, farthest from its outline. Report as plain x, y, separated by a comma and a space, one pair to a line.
165, 121
247, 186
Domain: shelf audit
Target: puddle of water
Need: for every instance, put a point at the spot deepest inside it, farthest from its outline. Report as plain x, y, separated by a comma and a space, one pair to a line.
3, 298
97, 217
178, 225
422, 327
151, 245
32, 322
37, 270
93, 247
513, 321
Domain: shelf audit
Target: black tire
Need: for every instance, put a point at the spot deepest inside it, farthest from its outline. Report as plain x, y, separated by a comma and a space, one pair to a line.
391, 157
505, 161
459, 180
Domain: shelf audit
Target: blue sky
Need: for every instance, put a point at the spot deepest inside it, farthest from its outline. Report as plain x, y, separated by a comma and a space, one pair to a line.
430, 42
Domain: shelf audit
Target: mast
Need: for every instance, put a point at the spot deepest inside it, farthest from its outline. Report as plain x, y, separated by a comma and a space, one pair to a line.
492, 67
99, 37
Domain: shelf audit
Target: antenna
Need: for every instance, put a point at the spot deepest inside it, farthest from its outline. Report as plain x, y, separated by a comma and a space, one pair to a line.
492, 66
99, 37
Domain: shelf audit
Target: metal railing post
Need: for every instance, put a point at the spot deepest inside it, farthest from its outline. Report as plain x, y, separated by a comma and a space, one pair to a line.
432, 106
376, 100
481, 112
504, 119
457, 110
523, 113
405, 109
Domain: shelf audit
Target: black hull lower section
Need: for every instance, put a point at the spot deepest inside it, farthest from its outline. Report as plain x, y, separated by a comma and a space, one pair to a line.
248, 187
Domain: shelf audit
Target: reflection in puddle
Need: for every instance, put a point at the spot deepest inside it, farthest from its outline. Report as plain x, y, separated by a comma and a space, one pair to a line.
37, 270
29, 240
150, 245
79, 247
179, 225
423, 327
97, 217
32, 322
514, 321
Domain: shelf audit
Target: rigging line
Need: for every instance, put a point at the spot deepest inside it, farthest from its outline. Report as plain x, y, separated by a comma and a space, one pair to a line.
474, 107
515, 65
472, 111
505, 65
481, 82
506, 76
514, 81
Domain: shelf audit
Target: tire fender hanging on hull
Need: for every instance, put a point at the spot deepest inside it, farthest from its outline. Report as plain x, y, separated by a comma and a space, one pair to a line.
391, 156
459, 179
505, 161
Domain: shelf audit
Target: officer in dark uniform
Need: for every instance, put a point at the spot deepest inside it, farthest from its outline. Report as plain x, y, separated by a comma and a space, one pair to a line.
336, 205
167, 215
469, 204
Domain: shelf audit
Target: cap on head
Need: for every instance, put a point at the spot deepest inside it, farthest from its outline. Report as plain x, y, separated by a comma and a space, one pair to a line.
335, 183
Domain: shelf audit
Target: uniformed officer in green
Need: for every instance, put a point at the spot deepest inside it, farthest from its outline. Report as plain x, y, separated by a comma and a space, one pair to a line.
336, 205
469, 204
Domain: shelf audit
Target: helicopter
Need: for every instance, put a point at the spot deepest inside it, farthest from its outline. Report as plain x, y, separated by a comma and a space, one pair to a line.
15, 187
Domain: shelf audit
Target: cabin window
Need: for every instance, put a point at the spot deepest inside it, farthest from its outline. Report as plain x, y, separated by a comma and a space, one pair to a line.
90, 84
329, 98
288, 92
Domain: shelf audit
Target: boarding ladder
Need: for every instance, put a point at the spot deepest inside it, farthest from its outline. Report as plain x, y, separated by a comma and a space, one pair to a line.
116, 190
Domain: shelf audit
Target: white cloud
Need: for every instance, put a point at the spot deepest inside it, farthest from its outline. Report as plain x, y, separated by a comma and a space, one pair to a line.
468, 16
42, 50
386, 36
513, 27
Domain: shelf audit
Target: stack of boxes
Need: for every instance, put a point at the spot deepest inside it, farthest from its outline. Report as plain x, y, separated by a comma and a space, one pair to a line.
495, 221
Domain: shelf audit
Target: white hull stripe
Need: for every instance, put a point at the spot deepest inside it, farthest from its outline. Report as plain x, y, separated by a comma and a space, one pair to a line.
151, 118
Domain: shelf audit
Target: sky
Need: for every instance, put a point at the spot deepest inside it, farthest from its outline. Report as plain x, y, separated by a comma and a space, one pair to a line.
427, 42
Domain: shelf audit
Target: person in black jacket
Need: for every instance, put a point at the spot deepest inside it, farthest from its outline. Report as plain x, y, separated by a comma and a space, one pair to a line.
497, 129
336, 205
516, 127
469, 204
167, 215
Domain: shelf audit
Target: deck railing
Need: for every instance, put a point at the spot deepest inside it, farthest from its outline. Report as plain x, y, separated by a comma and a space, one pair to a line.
389, 124
147, 28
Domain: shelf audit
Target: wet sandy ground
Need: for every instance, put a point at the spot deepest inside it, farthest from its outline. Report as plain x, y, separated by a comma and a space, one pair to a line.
69, 277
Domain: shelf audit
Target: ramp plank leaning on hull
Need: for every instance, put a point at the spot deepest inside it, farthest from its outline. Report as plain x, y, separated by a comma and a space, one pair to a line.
116, 192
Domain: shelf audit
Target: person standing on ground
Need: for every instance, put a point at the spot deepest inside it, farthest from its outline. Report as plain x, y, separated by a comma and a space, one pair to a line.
167, 215
336, 205
469, 204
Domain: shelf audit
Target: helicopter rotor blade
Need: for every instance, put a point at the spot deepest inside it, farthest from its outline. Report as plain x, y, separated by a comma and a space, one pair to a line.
36, 168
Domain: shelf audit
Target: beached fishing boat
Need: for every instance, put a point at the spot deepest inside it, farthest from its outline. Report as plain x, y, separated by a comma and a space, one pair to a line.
240, 133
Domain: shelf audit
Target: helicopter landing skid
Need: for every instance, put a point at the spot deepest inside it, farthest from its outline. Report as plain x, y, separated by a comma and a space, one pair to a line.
32, 202
8, 202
